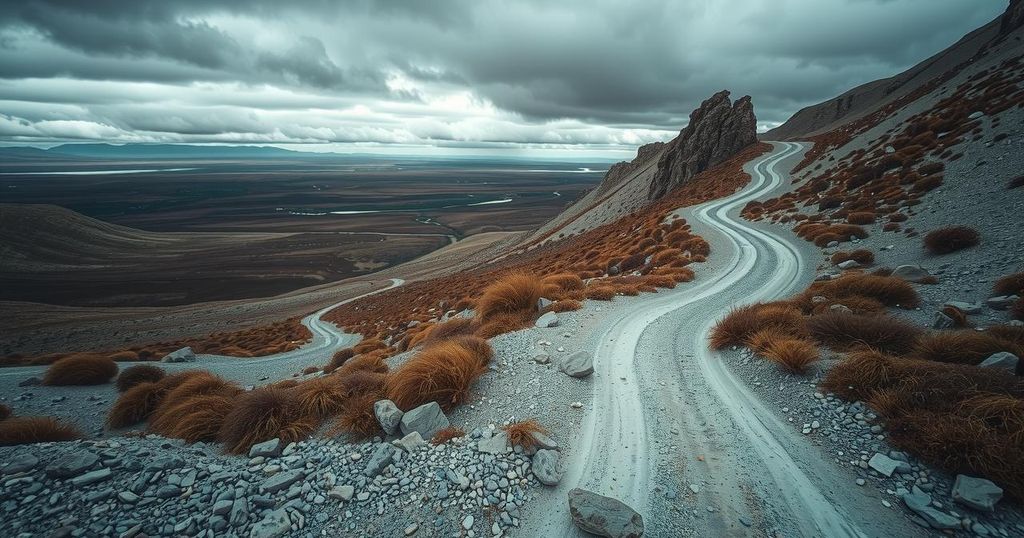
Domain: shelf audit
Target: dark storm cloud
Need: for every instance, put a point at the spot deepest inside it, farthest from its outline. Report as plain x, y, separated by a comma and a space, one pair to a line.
472, 72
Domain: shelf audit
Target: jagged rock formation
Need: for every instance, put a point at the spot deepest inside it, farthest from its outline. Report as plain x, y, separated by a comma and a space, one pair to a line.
717, 130
1013, 18
624, 169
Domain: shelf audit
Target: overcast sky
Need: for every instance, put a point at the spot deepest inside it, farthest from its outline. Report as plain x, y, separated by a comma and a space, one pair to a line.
568, 74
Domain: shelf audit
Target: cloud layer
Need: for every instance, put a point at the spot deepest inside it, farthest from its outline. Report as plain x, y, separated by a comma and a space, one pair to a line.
455, 73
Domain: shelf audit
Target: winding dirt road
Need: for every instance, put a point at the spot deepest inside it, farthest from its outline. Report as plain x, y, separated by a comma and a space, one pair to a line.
667, 413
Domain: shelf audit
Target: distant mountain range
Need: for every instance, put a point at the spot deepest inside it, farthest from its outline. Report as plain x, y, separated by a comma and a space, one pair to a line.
148, 151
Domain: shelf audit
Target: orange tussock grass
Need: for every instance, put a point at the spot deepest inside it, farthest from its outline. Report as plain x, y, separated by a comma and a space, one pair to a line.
556, 285
339, 359
285, 384
856, 304
199, 383
845, 331
368, 345
135, 405
861, 256
963, 347
121, 356
5, 412
600, 292
861, 217
958, 316
453, 327
1009, 333
504, 323
361, 382
1009, 285
565, 305
442, 372
521, 433
310, 370
951, 239
792, 355
1017, 310
197, 418
760, 340
511, 294
80, 370
358, 417
890, 291
373, 362
447, 434
321, 397
263, 414
133, 375
27, 430
1015, 182
741, 323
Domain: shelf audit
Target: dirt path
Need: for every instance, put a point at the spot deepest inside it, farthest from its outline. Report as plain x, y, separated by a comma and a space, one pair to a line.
667, 413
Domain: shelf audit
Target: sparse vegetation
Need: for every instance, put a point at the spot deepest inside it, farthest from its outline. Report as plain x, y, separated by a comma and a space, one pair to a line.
27, 430
260, 415
133, 375
521, 433
951, 239
861, 217
845, 331
511, 298
442, 373
81, 370
888, 290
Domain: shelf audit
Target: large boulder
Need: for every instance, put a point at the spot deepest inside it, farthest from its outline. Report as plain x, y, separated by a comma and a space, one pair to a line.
579, 364
426, 419
976, 493
388, 415
604, 516
184, 354
718, 129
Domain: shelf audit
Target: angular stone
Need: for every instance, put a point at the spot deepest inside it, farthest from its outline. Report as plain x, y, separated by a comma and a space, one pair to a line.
72, 464
542, 358
266, 449
920, 503
342, 493
30, 382
495, 444
543, 441
966, 308
848, 264
411, 442
388, 415
1001, 302
426, 419
579, 364
912, 273
942, 321
282, 481
20, 464
222, 507
1003, 359
92, 477
546, 320
976, 493
545, 467
604, 516
184, 354
379, 460
886, 465
273, 525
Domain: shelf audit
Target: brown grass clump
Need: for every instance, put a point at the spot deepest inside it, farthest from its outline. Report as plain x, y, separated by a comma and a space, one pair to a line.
890, 291
372, 362
135, 405
861, 217
361, 382
1009, 285
951, 239
263, 414
1017, 310
447, 434
1015, 182
741, 323
761, 340
844, 331
962, 347
521, 433
124, 356
27, 430
133, 375
5, 412
321, 397
556, 286
501, 324
958, 316
80, 370
861, 256
358, 417
793, 355
368, 345
565, 305
600, 292
512, 294
339, 359
442, 372
453, 327
197, 418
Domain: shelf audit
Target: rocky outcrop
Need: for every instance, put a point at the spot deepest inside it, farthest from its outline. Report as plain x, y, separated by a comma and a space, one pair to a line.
622, 170
717, 130
1013, 18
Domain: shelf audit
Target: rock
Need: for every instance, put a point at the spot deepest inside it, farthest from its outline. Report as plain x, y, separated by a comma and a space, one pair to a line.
886, 465
912, 273
842, 309
818, 299
222, 507
717, 130
1003, 359
604, 516
496, 444
543, 441
1001, 302
282, 481
545, 467
976, 493
184, 354
426, 419
848, 264
379, 460
266, 449
168, 491
20, 464
920, 503
30, 382
975, 115
92, 477
273, 525
342, 493
411, 442
543, 303
942, 321
542, 358
72, 464
579, 364
548, 319
966, 308
411, 529
467, 522
388, 415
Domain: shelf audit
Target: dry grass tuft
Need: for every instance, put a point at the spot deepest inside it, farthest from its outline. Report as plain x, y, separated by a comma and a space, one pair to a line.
263, 414
600, 292
27, 430
504, 323
197, 418
1009, 285
861, 217
139, 373
951, 239
442, 372
741, 323
361, 382
521, 433
5, 412
861, 256
962, 347
454, 327
889, 290
793, 355
321, 397
358, 418
80, 370
338, 359
1017, 310
368, 345
845, 331
958, 316
566, 305
135, 405
447, 434
374, 362
511, 294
